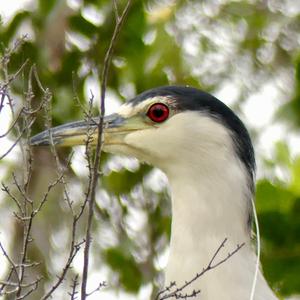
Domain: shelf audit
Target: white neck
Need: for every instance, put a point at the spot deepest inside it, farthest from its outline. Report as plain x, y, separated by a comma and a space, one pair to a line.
202, 217
210, 202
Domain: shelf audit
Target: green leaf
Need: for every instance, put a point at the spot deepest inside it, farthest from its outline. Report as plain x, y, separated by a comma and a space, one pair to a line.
282, 153
126, 266
82, 26
283, 272
8, 32
295, 182
123, 181
271, 197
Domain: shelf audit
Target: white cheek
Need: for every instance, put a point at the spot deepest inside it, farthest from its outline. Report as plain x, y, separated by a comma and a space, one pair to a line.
185, 138
143, 140
156, 145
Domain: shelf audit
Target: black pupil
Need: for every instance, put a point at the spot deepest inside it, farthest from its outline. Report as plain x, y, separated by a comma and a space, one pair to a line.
158, 112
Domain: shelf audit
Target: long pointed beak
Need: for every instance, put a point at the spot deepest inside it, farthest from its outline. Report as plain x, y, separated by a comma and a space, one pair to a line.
77, 133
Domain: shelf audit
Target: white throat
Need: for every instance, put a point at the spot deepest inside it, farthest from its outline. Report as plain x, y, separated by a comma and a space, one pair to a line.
211, 201
209, 205
203, 216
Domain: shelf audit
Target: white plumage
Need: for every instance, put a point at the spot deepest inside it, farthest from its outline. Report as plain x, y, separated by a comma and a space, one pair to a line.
207, 155
209, 188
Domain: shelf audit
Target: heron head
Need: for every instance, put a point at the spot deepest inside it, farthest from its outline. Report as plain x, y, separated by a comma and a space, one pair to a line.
166, 127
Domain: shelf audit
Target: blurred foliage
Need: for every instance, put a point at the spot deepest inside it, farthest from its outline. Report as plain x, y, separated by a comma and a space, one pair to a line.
130, 275
115, 183
290, 112
207, 44
278, 204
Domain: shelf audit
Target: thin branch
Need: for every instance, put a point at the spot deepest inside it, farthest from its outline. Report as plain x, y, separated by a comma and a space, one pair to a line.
21, 190
95, 173
24, 285
177, 293
89, 138
8, 52
45, 197
73, 252
73, 294
6, 189
15, 143
13, 267
26, 240
14, 123
3, 90
116, 10
74, 247
18, 286
35, 286
59, 167
97, 289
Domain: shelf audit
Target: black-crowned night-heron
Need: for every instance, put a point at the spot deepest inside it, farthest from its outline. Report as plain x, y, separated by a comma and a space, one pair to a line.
207, 155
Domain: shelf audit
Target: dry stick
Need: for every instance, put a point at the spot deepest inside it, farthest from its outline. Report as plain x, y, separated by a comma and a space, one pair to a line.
211, 265
28, 213
47, 99
74, 292
28, 210
23, 111
10, 79
29, 124
13, 268
95, 173
74, 247
5, 93
36, 284
26, 149
33, 286
23, 284
15, 143
97, 289
72, 254
8, 52
14, 123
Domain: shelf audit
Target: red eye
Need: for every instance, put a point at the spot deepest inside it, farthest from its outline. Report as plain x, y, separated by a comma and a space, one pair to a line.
158, 112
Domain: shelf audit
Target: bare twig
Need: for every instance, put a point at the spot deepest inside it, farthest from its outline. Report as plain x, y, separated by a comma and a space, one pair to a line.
9, 51
73, 294
14, 123
167, 293
95, 172
116, 10
5, 87
6, 189
27, 210
74, 246
15, 142
13, 268
59, 166
73, 252
26, 113
35, 286
97, 289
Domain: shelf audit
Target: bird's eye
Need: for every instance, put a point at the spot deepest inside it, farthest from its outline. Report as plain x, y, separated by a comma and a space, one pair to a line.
158, 112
